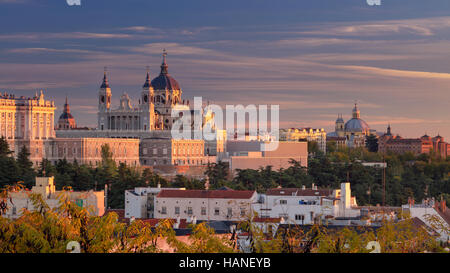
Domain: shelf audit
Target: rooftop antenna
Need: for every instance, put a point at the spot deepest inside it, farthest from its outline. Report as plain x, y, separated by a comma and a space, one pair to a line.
384, 182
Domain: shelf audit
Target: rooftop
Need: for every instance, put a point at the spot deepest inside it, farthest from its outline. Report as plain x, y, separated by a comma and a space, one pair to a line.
224, 194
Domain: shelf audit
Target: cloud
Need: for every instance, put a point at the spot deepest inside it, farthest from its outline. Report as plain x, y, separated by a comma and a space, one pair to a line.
49, 50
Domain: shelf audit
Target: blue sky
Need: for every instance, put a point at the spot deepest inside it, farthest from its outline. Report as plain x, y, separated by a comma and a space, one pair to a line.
313, 58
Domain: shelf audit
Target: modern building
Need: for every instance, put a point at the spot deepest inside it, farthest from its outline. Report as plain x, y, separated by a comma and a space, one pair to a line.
93, 201
354, 130
248, 154
208, 205
140, 202
307, 206
308, 134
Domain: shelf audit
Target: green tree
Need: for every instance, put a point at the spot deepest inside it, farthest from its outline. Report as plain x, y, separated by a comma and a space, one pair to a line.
26, 170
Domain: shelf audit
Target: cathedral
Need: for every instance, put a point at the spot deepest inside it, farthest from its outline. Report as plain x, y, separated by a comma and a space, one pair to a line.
158, 97
353, 131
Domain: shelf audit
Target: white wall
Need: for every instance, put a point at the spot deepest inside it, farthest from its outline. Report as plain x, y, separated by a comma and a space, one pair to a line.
210, 205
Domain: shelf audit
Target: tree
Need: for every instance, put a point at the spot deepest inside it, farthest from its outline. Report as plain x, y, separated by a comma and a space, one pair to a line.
26, 170
4, 147
313, 147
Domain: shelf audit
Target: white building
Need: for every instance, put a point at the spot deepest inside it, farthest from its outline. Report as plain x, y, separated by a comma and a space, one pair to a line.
140, 202
93, 201
214, 205
431, 209
307, 206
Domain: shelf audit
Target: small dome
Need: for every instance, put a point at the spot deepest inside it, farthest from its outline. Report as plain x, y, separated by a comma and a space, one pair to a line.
356, 125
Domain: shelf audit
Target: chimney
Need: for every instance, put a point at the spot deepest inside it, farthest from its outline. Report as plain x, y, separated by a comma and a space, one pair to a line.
303, 187
176, 225
312, 186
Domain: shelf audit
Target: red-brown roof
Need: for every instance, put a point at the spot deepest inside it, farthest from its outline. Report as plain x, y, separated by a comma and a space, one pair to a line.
225, 194
153, 222
266, 220
120, 213
299, 192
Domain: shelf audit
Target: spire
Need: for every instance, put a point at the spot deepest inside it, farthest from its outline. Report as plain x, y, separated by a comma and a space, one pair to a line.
66, 106
147, 80
164, 65
389, 130
356, 113
105, 83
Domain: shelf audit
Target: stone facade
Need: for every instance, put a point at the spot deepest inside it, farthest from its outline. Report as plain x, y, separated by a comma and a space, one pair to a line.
423, 145
176, 152
88, 150
309, 134
26, 118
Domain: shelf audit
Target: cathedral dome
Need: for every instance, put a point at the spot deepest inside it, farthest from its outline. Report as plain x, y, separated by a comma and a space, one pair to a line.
356, 125
164, 80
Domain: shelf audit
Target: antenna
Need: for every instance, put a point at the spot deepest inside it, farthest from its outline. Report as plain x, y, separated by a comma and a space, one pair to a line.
384, 182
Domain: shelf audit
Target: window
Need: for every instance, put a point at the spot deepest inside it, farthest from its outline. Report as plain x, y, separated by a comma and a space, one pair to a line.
163, 210
229, 212
242, 211
177, 210
299, 217
216, 211
203, 210
155, 151
189, 211
283, 202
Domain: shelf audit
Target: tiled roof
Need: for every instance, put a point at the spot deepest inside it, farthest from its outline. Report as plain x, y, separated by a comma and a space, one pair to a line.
120, 213
225, 194
299, 192
266, 220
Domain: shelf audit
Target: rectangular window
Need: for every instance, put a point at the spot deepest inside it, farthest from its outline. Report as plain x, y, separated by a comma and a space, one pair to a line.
163, 210
283, 202
189, 211
216, 211
242, 211
203, 210
177, 210
230, 212
299, 217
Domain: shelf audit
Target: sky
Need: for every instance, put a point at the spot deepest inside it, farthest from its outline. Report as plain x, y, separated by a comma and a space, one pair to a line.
314, 58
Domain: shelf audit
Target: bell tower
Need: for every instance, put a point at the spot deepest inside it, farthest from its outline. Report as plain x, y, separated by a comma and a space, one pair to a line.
339, 129
147, 105
104, 103
104, 94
